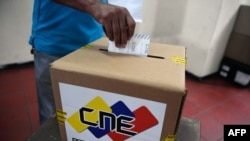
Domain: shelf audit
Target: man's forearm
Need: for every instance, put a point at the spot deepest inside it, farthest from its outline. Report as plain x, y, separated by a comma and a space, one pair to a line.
117, 22
87, 6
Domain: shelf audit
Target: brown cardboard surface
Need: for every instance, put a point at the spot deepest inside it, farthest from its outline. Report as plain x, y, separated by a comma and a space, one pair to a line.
238, 48
161, 80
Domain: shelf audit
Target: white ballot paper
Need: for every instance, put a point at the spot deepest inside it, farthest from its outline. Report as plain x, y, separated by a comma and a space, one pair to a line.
137, 45
134, 7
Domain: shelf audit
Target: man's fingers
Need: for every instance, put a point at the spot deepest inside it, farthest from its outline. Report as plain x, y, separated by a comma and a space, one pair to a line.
124, 31
116, 31
118, 24
130, 27
109, 30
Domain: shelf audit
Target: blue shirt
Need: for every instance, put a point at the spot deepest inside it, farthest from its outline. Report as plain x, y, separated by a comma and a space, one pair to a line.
58, 30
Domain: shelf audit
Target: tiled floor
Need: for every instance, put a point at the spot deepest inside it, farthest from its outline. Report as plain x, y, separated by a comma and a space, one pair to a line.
213, 101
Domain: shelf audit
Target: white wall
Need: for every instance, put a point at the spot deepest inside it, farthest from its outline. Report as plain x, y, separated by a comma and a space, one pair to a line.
15, 27
202, 26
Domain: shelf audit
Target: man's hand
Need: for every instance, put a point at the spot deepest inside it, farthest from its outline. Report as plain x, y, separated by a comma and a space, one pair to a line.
118, 24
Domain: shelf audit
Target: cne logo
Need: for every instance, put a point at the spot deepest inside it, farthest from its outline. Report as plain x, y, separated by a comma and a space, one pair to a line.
117, 121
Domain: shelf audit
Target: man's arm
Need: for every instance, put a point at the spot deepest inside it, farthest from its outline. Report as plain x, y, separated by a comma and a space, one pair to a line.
117, 21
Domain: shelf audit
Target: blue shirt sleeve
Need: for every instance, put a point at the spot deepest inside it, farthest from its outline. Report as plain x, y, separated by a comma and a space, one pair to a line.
58, 30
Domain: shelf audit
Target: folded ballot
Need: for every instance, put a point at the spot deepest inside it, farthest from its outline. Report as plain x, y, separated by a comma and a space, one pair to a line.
137, 45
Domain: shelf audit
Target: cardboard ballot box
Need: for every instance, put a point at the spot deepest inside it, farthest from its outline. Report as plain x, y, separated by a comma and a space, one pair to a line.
114, 97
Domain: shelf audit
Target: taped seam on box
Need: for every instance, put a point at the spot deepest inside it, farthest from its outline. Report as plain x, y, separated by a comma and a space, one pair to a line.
61, 116
170, 138
179, 60
87, 46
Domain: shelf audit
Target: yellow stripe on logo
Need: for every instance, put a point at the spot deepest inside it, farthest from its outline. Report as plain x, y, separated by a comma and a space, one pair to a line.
97, 104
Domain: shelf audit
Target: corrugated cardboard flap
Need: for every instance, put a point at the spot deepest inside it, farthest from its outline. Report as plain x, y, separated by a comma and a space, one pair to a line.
162, 59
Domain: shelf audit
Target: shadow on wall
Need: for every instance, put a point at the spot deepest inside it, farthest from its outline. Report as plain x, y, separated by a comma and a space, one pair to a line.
219, 43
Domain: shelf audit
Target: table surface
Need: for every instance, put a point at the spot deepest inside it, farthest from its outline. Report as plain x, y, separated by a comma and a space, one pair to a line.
189, 130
